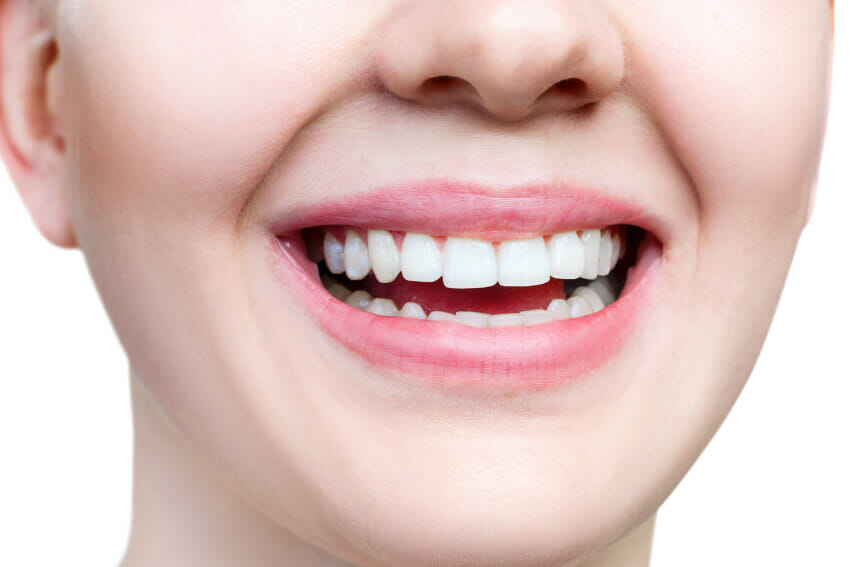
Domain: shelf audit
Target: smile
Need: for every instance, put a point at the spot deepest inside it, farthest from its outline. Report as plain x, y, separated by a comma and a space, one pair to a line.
526, 296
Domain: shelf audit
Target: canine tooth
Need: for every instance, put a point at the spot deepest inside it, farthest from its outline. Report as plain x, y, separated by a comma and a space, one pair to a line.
590, 239
591, 297
566, 255
505, 320
606, 251
384, 255
413, 310
334, 254
359, 299
382, 306
421, 260
339, 291
523, 262
472, 318
469, 263
356, 254
536, 317
579, 307
441, 316
604, 290
559, 308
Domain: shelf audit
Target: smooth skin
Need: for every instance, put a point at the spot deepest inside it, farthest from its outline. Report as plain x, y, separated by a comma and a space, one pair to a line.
162, 137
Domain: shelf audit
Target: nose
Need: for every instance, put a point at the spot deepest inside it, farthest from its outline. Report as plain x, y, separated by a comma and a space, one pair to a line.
511, 58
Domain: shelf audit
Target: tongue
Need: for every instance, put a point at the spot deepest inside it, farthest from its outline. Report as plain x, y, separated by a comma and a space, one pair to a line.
496, 299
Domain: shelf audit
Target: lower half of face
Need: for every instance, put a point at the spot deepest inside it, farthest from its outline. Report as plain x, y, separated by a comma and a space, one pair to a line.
423, 299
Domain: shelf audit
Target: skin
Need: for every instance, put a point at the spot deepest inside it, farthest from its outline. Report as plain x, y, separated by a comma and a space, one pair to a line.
162, 139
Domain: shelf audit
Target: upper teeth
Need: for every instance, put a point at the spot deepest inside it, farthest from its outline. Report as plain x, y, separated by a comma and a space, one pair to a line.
473, 263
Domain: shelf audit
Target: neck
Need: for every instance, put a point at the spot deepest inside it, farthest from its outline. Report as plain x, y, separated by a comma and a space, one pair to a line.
183, 514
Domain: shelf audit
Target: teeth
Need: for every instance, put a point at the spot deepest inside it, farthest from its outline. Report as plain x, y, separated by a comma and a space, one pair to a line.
606, 251
506, 320
339, 291
469, 263
584, 300
386, 260
381, 306
559, 309
615, 252
441, 316
420, 258
472, 319
523, 262
359, 299
604, 290
591, 240
356, 257
566, 256
334, 254
592, 298
579, 307
536, 317
412, 310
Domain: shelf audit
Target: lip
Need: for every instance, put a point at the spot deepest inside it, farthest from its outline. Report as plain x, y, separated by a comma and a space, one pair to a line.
532, 357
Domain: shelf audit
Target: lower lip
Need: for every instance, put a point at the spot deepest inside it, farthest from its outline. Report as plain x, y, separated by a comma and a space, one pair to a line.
532, 357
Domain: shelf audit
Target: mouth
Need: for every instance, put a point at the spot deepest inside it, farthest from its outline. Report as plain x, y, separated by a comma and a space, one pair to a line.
524, 290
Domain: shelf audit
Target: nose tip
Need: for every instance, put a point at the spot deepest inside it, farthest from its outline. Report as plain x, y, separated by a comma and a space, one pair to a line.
510, 58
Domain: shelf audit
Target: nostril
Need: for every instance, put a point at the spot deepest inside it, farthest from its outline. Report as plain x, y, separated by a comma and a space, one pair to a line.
445, 87
572, 87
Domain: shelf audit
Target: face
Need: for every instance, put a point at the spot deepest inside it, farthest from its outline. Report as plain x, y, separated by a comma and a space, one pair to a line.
222, 163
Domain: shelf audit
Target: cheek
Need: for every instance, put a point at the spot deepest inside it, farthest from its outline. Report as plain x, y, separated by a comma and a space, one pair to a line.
177, 128
740, 91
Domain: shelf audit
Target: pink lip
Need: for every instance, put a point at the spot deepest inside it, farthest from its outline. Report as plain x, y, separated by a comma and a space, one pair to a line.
532, 357
441, 208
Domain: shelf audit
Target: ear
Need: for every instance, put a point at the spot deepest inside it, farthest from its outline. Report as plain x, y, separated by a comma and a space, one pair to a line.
31, 142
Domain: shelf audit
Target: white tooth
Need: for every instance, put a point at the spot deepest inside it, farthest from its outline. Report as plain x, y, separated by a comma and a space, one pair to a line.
590, 239
566, 255
523, 262
384, 255
506, 320
472, 318
606, 251
334, 254
421, 260
579, 307
356, 256
591, 297
441, 316
413, 310
559, 308
604, 290
469, 263
359, 299
536, 317
382, 306
339, 291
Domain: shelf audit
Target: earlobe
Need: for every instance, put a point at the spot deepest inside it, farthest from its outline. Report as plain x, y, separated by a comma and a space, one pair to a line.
31, 143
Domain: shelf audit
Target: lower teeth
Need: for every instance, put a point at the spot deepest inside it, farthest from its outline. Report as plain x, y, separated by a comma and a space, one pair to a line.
582, 301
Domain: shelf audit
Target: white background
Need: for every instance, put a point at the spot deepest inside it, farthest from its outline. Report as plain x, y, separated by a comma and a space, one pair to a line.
771, 488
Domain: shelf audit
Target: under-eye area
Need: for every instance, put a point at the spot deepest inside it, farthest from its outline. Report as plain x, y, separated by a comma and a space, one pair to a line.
474, 282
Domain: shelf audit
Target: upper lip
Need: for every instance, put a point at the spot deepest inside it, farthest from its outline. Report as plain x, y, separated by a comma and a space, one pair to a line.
443, 208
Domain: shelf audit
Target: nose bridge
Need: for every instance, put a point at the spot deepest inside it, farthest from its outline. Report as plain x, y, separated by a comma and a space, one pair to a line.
508, 56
